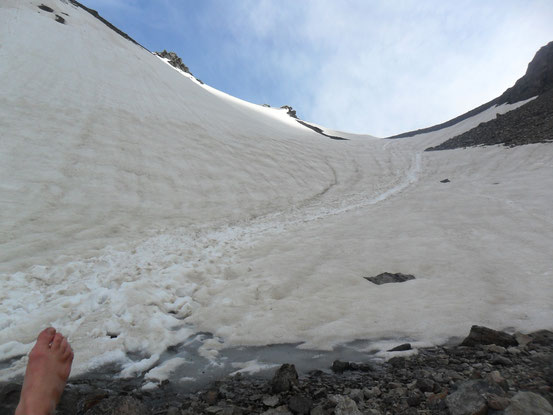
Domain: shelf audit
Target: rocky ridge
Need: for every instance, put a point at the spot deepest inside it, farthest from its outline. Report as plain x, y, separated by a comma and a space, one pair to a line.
537, 81
491, 372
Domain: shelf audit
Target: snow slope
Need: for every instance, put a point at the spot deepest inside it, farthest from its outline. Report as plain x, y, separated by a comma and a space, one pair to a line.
139, 207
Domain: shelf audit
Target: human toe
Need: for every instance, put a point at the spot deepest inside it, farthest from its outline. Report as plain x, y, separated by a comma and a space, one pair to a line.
56, 343
46, 336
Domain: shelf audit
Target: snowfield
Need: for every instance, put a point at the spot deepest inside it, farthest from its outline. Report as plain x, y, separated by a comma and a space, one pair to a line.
139, 207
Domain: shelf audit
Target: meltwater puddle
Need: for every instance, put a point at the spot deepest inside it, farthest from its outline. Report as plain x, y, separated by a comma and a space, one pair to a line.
186, 367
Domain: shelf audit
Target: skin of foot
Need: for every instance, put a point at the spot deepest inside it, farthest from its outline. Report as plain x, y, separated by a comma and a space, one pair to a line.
47, 372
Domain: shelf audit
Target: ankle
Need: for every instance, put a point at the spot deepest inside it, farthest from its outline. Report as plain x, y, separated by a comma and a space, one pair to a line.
34, 408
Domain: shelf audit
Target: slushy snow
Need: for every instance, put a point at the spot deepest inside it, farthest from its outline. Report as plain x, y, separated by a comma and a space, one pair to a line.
139, 207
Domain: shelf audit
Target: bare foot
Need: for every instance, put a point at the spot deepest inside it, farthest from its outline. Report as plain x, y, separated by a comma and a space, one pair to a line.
47, 371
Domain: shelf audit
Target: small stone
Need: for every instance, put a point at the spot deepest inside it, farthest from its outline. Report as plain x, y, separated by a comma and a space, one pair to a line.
414, 398
374, 392
285, 378
425, 385
270, 401
213, 409
494, 348
173, 411
495, 377
501, 360
497, 402
357, 395
444, 181
344, 405
300, 404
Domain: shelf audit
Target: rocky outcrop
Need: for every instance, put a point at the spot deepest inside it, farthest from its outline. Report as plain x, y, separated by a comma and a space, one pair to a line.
537, 81
530, 123
174, 60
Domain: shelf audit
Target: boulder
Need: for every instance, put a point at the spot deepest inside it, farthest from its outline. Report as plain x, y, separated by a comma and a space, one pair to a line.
285, 378
480, 335
469, 398
528, 403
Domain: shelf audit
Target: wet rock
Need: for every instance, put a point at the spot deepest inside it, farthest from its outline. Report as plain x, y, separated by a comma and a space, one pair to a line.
469, 398
528, 403
387, 278
285, 378
401, 348
480, 335
300, 404
344, 405
119, 405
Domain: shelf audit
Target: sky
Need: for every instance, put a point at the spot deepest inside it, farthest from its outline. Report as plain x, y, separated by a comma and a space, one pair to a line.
378, 67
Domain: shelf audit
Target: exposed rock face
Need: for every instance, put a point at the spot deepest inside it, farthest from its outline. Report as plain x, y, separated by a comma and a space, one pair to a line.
538, 80
530, 123
387, 278
291, 111
483, 335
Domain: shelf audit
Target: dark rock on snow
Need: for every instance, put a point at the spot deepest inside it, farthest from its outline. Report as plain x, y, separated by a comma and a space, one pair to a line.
445, 181
482, 335
387, 277
401, 348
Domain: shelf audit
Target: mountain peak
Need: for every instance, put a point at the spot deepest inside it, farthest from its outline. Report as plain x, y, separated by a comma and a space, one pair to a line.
537, 80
